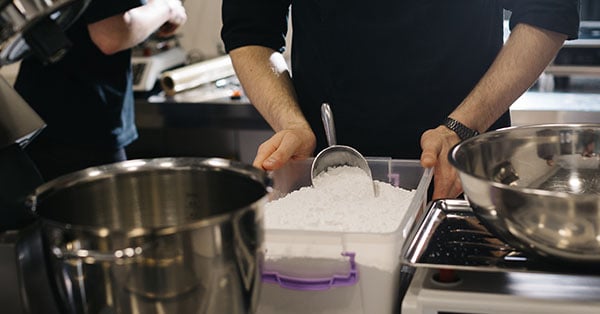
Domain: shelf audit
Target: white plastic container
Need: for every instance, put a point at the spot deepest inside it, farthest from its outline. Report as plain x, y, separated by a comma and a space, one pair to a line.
338, 272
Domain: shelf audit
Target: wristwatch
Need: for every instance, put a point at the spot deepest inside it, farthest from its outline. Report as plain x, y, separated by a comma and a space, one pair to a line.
460, 129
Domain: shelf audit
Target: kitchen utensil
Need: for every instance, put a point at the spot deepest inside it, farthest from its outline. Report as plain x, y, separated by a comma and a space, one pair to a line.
166, 235
536, 187
35, 27
336, 155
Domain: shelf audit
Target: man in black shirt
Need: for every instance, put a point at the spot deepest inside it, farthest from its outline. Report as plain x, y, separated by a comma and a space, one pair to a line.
392, 71
86, 98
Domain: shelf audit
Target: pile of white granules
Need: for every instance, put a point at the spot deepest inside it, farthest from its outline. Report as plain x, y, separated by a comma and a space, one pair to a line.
341, 199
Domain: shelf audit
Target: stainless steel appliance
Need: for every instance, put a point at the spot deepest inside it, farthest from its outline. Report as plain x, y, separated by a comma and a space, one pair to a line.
26, 27
590, 10
577, 58
30, 26
453, 264
580, 57
525, 240
164, 236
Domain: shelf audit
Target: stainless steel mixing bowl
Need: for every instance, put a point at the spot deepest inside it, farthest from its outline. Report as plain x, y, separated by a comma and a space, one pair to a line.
537, 187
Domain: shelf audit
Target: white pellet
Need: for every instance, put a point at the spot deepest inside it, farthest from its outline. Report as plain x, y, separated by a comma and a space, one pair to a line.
341, 200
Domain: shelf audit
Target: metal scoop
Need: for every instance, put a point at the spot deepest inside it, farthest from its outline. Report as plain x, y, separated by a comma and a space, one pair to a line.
336, 155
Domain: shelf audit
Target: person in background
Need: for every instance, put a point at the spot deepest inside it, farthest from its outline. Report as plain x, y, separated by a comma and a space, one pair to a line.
405, 79
86, 98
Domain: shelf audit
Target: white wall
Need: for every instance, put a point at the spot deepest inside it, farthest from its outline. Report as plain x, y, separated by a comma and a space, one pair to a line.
200, 35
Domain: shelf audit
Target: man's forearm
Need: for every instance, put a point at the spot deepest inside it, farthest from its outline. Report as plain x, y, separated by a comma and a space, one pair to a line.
266, 80
125, 30
523, 58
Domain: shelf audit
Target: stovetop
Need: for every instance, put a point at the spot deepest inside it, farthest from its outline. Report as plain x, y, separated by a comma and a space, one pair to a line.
449, 235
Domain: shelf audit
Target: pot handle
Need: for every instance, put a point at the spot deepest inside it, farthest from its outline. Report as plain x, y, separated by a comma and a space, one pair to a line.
91, 256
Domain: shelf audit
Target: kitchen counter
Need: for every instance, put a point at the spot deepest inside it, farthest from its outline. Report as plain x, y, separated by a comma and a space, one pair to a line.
205, 106
206, 121
556, 107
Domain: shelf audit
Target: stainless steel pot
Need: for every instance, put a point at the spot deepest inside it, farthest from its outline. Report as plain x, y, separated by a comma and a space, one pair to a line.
537, 187
168, 235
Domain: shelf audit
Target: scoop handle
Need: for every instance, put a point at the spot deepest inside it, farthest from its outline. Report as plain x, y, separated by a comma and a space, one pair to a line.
327, 117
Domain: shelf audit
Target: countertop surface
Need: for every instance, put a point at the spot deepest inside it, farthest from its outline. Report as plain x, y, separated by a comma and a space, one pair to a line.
556, 101
221, 104
576, 102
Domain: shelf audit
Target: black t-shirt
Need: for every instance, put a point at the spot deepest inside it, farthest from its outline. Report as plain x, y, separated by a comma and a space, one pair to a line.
389, 69
86, 98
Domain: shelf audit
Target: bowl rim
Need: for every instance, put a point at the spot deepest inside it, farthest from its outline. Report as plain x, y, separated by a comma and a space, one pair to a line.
525, 128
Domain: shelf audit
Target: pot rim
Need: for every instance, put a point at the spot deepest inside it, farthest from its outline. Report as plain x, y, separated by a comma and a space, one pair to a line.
174, 163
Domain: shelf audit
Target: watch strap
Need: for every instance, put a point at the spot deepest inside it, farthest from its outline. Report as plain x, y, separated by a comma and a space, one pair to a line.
460, 129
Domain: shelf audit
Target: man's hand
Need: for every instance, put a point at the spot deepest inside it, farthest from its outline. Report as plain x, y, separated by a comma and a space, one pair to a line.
285, 145
177, 17
436, 144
